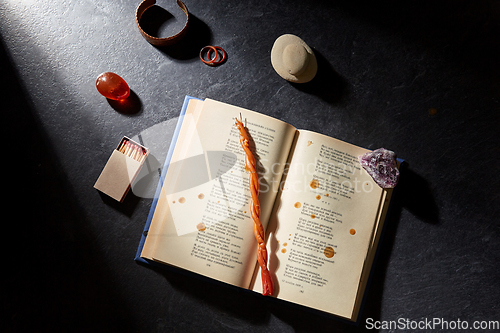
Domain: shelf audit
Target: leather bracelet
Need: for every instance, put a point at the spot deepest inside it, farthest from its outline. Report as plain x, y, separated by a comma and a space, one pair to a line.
156, 41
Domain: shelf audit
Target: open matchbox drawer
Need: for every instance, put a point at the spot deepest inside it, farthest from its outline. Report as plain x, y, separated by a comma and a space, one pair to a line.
121, 169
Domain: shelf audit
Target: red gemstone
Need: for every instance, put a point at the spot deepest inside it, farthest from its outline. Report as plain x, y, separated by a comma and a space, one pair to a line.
112, 86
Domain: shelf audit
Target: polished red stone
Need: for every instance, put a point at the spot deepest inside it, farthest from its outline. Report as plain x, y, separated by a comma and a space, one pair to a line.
112, 86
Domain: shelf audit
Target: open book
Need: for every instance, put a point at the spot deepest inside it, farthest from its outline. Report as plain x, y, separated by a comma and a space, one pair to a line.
322, 212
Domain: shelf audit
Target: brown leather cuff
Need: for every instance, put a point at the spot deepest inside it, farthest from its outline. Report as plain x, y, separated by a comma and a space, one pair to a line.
156, 41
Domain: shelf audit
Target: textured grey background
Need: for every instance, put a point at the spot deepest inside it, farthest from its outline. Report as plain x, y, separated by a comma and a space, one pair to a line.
382, 66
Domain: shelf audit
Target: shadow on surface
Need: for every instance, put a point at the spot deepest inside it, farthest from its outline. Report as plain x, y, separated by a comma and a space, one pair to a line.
327, 84
126, 207
243, 306
411, 193
239, 304
131, 106
415, 195
466, 31
197, 36
154, 19
54, 279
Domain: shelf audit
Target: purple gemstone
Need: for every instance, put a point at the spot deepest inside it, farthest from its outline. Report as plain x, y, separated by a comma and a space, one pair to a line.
381, 166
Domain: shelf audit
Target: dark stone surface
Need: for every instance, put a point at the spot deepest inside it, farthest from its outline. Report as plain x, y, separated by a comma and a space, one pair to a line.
419, 78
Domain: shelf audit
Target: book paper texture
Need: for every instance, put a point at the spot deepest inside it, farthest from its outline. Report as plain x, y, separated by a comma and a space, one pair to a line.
322, 212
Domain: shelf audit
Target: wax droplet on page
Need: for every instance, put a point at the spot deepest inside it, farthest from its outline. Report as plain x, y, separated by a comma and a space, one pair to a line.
112, 86
297, 204
318, 197
314, 183
285, 244
201, 196
329, 252
352, 232
182, 200
313, 216
309, 143
327, 195
201, 227
173, 201
283, 250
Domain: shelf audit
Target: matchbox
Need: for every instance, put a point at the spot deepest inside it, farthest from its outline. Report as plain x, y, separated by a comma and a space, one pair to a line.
121, 169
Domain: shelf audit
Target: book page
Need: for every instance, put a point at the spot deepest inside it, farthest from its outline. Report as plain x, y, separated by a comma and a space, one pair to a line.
206, 226
186, 133
324, 225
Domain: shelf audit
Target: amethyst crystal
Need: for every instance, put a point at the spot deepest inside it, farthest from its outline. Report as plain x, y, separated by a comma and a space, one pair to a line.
381, 166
